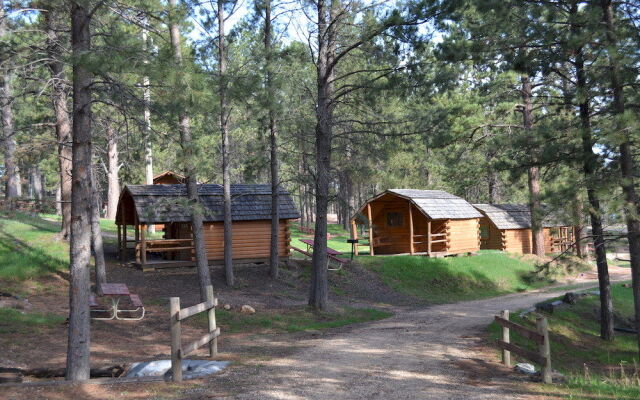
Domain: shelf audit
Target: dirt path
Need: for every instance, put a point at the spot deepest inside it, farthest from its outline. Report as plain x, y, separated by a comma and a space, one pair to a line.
431, 353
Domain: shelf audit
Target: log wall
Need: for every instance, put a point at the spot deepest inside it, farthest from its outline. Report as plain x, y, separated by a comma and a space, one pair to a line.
251, 239
518, 241
464, 235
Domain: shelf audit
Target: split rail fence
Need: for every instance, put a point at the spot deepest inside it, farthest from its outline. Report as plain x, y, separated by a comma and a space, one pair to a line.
179, 352
540, 336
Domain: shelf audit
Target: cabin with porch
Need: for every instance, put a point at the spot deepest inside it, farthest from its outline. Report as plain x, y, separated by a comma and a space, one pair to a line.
507, 227
433, 223
144, 205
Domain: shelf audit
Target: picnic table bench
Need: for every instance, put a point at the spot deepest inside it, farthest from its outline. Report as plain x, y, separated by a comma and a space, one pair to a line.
115, 292
332, 254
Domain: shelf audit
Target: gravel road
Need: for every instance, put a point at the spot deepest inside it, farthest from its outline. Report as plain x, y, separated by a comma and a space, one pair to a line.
430, 353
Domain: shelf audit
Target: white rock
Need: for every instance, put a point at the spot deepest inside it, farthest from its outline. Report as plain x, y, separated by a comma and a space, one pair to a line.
525, 368
247, 309
227, 306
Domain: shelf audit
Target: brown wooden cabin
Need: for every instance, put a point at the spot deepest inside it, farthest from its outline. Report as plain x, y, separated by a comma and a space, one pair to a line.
507, 227
169, 178
422, 222
142, 205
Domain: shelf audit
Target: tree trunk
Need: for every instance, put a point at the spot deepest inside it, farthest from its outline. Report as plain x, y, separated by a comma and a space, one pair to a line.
535, 206
186, 142
146, 95
589, 168
113, 183
36, 182
318, 296
80, 252
224, 129
96, 236
273, 141
626, 158
12, 174
63, 123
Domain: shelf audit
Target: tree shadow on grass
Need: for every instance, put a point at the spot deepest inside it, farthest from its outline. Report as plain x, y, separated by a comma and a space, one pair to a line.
27, 261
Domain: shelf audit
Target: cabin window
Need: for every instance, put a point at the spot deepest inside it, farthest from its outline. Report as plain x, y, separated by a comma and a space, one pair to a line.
394, 219
484, 232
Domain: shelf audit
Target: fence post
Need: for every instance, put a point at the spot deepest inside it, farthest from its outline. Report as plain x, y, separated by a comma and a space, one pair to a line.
506, 354
176, 332
213, 345
544, 349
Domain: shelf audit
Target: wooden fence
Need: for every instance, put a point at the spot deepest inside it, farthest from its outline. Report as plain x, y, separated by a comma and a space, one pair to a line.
178, 352
540, 336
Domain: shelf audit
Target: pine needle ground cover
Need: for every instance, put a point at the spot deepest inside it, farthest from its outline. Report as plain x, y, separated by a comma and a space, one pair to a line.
452, 279
292, 320
595, 369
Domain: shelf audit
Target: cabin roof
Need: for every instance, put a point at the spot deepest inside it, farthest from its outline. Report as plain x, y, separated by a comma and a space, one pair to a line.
515, 216
168, 203
436, 204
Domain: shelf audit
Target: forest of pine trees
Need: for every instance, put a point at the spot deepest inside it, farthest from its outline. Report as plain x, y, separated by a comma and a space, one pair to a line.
524, 101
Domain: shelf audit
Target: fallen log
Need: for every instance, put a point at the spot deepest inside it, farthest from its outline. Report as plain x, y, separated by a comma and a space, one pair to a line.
113, 371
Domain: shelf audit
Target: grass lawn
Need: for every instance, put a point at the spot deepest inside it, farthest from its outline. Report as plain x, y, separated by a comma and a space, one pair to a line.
574, 331
13, 321
451, 279
294, 320
29, 248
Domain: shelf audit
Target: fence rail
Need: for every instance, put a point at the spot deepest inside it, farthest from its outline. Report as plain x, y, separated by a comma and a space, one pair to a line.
179, 352
540, 336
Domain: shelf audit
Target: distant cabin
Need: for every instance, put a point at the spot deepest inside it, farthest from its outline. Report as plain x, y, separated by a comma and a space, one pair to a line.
169, 178
507, 227
143, 205
423, 222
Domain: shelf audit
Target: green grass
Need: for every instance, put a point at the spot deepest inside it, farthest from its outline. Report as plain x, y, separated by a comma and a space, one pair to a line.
29, 248
574, 333
294, 320
13, 321
451, 279
337, 242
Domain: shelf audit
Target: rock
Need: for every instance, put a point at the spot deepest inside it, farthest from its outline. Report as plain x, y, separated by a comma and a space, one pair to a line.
227, 307
627, 285
525, 368
569, 298
247, 309
546, 307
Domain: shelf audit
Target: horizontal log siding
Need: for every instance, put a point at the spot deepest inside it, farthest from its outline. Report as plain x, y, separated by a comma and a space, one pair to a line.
390, 239
464, 235
251, 239
518, 241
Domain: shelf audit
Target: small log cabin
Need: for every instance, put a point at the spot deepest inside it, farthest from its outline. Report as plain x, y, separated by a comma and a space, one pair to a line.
507, 227
168, 178
421, 222
143, 205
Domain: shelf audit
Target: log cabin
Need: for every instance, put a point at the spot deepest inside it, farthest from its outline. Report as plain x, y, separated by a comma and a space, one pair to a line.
418, 222
507, 227
168, 178
143, 205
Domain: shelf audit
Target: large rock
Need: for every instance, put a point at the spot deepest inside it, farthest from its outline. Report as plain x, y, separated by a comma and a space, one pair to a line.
247, 309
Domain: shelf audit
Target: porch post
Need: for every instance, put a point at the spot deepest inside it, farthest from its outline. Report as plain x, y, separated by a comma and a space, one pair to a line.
370, 229
354, 235
143, 245
429, 237
411, 248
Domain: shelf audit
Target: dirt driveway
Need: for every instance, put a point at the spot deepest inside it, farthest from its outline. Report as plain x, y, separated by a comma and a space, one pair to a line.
430, 353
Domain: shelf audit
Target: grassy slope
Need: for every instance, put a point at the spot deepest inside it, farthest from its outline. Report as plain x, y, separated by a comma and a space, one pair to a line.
29, 248
451, 279
575, 341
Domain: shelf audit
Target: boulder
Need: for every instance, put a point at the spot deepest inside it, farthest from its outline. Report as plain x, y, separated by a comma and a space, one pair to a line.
227, 307
247, 309
569, 298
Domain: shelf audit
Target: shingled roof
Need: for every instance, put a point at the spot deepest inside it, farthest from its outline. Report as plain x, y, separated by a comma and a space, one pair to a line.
168, 203
436, 204
514, 216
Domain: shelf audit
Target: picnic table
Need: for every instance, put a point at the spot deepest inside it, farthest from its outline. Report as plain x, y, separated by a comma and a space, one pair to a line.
331, 254
116, 292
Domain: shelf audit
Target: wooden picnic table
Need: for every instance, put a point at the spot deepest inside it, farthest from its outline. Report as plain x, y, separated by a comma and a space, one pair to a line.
330, 251
115, 292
